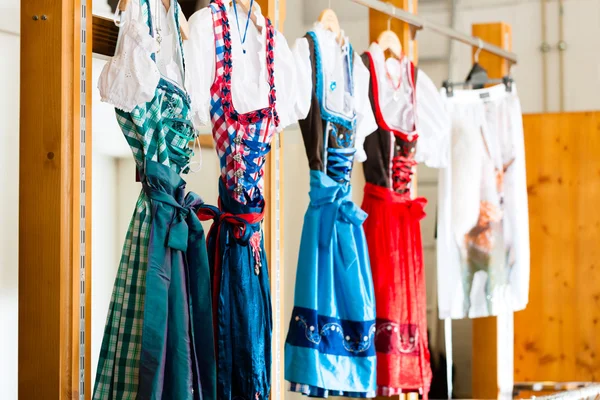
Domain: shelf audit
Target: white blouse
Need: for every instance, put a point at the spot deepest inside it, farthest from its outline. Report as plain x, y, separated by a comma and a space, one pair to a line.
396, 93
433, 124
333, 58
248, 92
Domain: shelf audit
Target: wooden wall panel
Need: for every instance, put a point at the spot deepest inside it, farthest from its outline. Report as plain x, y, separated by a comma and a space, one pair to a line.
557, 337
270, 225
484, 367
49, 212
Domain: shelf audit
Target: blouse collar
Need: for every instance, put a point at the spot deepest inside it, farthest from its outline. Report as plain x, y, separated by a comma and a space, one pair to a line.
328, 38
396, 106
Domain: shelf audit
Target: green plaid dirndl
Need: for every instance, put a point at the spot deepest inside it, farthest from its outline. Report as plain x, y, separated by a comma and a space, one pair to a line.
159, 130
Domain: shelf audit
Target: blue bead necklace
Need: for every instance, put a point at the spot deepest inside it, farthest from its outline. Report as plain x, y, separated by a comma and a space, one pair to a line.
237, 21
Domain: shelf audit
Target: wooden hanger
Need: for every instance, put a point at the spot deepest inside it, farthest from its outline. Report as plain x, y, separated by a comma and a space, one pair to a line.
389, 41
184, 28
330, 21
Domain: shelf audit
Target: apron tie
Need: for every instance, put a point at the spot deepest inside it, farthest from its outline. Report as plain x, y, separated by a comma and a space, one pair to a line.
179, 229
240, 224
339, 212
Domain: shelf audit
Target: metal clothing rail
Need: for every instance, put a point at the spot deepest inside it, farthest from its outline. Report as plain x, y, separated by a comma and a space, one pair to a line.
421, 23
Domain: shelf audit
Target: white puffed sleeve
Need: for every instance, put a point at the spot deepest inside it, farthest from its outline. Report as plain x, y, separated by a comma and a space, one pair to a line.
365, 120
433, 124
293, 85
199, 52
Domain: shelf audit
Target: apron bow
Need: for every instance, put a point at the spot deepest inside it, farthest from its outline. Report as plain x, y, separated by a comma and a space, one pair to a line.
338, 217
185, 217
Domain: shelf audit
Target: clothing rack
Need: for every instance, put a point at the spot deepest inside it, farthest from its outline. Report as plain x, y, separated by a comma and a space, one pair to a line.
507, 81
105, 42
421, 23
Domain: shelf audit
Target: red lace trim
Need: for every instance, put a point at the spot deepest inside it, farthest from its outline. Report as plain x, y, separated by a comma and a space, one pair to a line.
402, 171
378, 115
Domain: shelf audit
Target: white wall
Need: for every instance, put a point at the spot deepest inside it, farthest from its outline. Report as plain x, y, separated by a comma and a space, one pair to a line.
105, 251
582, 35
9, 196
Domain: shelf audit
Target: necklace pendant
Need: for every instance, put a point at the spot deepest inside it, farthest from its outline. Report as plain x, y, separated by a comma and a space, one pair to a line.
244, 50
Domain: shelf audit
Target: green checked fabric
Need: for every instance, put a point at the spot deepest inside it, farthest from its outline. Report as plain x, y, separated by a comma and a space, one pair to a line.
160, 131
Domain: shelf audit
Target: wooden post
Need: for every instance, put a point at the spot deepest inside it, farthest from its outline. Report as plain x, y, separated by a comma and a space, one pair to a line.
274, 244
54, 249
484, 366
378, 22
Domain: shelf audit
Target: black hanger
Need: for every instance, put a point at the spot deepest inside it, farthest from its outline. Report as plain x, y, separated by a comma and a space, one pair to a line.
449, 85
477, 76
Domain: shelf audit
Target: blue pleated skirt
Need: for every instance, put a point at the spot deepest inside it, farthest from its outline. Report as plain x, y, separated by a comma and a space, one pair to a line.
330, 344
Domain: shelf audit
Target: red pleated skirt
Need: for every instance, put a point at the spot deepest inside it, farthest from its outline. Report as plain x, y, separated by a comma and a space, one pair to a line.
393, 234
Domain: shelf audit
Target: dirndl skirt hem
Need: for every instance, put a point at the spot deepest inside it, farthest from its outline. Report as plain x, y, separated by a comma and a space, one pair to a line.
314, 391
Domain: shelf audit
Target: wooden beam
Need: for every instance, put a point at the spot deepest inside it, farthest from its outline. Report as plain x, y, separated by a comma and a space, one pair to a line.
497, 33
105, 34
271, 242
484, 366
206, 141
49, 203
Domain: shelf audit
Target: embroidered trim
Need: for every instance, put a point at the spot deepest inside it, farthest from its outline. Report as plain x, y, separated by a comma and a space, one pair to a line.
407, 136
241, 140
392, 337
350, 344
402, 172
314, 391
325, 113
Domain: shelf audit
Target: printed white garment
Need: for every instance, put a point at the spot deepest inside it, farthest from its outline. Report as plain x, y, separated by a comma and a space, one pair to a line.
249, 93
483, 227
337, 101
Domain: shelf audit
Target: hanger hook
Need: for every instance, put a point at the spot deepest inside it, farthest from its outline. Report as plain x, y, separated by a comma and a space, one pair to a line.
389, 21
479, 47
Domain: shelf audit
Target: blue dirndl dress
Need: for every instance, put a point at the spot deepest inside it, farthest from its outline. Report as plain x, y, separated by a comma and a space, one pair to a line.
329, 349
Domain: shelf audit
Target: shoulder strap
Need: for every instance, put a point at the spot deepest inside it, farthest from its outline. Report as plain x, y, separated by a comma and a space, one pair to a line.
351, 68
176, 11
317, 68
271, 68
222, 38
